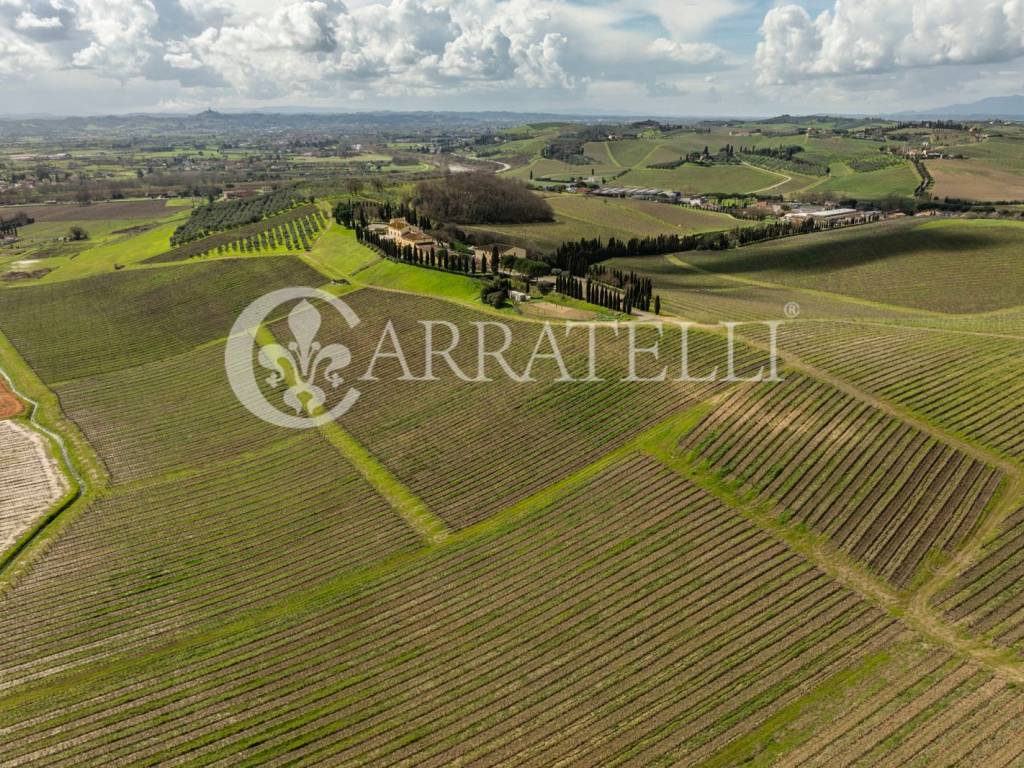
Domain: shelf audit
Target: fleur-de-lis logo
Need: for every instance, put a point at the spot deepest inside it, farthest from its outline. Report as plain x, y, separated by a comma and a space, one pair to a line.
299, 363
307, 368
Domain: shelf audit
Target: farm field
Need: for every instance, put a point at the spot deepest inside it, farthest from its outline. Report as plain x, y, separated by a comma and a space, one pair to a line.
472, 568
986, 599
645, 556
967, 384
9, 405
910, 263
873, 185
119, 210
104, 323
697, 179
975, 180
706, 297
269, 525
30, 482
579, 216
440, 442
292, 231
882, 491
44, 252
648, 519
848, 167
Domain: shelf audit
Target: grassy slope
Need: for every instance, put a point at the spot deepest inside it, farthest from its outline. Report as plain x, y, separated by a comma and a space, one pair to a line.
907, 263
577, 216
872, 185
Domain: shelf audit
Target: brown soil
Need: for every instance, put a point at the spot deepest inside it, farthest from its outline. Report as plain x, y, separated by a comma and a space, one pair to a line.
126, 209
10, 406
971, 180
557, 311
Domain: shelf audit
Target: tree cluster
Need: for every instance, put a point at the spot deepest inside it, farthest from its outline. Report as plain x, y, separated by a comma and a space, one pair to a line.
632, 293
217, 217
480, 198
9, 227
349, 214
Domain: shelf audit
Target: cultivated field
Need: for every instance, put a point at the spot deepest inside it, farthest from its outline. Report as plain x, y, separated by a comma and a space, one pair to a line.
821, 571
971, 385
578, 216
910, 263
439, 437
706, 297
633, 621
30, 482
124, 210
9, 405
697, 179
973, 180
84, 327
272, 521
988, 599
880, 490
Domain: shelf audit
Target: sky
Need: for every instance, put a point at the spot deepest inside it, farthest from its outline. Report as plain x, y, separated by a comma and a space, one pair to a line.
683, 58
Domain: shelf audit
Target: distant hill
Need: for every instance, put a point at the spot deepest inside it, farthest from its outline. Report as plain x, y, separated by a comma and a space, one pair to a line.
996, 107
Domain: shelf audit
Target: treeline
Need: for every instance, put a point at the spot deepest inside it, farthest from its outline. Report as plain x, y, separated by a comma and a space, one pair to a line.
217, 217
927, 180
949, 125
630, 294
350, 214
877, 163
480, 198
9, 227
579, 256
436, 258
638, 291
565, 150
787, 152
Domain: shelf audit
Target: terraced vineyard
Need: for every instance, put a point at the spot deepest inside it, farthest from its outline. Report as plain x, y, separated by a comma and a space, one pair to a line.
969, 384
988, 597
633, 621
879, 489
439, 437
101, 324
30, 481
818, 571
272, 522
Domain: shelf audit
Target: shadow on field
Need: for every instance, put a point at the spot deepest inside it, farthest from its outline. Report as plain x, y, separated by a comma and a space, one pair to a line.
825, 252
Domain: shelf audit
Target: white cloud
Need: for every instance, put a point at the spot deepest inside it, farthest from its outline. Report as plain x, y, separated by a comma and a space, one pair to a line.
312, 45
18, 55
119, 33
28, 20
872, 36
686, 53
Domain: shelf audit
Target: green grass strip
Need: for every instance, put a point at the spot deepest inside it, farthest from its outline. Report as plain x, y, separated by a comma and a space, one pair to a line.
411, 508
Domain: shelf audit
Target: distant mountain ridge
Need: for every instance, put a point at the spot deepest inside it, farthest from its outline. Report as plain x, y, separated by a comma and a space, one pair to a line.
994, 107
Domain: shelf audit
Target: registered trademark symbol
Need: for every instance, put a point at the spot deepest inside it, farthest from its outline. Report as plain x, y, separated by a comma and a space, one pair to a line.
792, 310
